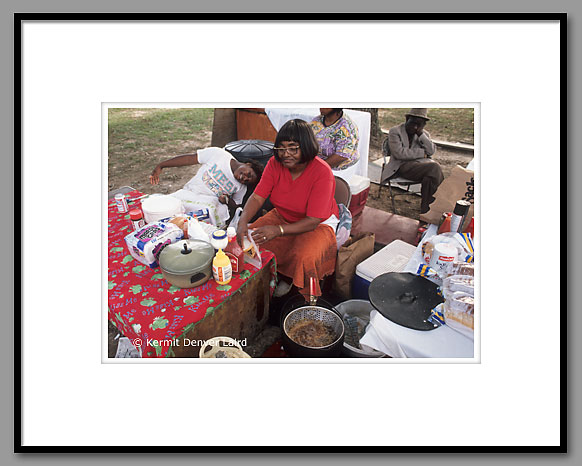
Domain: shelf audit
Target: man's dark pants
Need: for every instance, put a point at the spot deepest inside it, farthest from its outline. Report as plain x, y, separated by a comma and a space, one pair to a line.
426, 171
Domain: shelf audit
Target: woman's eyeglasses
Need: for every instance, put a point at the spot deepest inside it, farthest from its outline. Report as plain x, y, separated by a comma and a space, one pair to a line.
281, 150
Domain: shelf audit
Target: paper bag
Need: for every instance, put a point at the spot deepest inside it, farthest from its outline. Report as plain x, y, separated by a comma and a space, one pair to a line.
355, 250
458, 185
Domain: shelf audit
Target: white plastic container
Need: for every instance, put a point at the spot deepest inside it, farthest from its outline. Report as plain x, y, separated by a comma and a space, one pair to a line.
442, 258
391, 258
160, 206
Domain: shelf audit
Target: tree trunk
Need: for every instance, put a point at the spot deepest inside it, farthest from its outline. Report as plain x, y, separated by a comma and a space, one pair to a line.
375, 129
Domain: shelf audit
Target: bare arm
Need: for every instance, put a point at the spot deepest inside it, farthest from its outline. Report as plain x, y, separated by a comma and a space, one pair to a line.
268, 232
334, 160
254, 203
178, 161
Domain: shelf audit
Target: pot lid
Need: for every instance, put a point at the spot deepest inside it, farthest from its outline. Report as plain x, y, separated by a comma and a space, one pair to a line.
405, 299
186, 256
161, 204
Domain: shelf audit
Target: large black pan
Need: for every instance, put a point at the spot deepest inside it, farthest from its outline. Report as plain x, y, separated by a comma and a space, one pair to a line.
405, 299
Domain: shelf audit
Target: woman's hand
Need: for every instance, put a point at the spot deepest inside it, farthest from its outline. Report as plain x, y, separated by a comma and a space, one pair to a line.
265, 233
241, 233
155, 176
223, 199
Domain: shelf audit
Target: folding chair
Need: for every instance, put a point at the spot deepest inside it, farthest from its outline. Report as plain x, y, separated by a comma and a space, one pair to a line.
394, 178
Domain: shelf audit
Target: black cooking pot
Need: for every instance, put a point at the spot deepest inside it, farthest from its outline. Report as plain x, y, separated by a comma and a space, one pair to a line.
298, 310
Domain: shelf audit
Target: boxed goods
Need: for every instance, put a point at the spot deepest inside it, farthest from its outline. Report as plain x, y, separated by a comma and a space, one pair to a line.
459, 306
464, 283
145, 244
459, 310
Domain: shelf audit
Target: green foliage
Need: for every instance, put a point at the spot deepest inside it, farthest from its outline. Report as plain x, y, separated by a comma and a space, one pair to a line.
133, 131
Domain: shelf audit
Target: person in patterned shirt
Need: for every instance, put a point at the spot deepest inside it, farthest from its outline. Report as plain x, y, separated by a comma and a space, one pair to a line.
338, 138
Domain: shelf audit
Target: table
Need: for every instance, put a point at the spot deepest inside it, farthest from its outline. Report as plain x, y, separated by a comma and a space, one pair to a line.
166, 321
401, 342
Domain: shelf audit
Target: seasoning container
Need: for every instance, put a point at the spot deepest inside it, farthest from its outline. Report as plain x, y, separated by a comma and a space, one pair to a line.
446, 223
137, 220
459, 213
221, 268
121, 202
234, 252
219, 240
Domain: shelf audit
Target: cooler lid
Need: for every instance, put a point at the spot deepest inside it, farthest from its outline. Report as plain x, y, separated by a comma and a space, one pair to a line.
391, 258
359, 183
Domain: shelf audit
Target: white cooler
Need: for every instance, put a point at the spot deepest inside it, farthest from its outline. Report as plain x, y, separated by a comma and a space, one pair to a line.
359, 188
391, 258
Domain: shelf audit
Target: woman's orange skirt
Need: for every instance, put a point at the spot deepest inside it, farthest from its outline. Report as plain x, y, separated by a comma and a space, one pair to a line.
300, 257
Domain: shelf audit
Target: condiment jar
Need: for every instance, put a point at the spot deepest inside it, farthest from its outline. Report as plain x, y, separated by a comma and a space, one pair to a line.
219, 240
221, 268
446, 225
137, 220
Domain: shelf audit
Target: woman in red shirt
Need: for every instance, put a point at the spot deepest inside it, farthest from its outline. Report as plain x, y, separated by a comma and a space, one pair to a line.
300, 230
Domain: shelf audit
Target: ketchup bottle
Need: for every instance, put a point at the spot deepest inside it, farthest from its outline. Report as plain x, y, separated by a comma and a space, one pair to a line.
470, 227
234, 252
446, 225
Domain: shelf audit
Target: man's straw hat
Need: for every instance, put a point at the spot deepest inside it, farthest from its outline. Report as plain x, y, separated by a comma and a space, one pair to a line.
418, 112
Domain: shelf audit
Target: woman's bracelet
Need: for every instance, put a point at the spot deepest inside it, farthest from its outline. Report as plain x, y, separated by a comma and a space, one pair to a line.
282, 231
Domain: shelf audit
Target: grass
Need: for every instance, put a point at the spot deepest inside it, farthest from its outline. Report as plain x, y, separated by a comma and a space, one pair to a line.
134, 129
446, 124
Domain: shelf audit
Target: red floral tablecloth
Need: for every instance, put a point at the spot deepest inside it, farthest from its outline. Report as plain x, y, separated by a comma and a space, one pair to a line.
145, 307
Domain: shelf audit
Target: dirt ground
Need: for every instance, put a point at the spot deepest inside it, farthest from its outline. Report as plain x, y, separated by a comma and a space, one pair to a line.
409, 206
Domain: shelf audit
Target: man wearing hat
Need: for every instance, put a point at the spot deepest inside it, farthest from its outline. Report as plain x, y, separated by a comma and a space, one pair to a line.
410, 155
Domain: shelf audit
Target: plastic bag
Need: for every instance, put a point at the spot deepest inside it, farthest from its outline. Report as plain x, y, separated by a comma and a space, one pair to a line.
196, 230
454, 283
252, 252
234, 222
459, 311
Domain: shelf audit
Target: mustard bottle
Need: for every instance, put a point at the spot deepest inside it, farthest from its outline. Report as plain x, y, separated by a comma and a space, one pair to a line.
221, 268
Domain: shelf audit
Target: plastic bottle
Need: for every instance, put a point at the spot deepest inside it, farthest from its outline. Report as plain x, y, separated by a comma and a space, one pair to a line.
137, 220
470, 227
121, 203
234, 252
459, 214
446, 225
219, 239
221, 268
